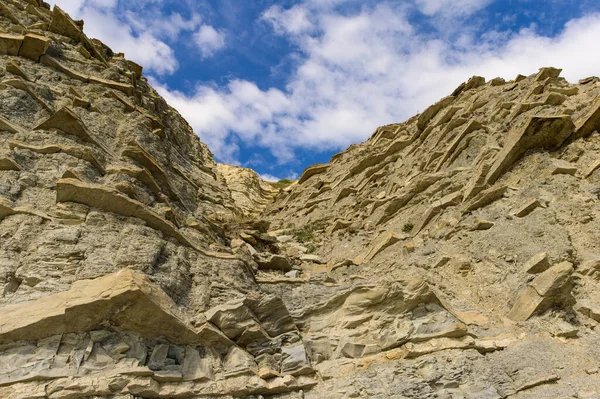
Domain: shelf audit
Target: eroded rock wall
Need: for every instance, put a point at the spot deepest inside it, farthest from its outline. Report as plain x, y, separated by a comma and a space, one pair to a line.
453, 255
249, 192
490, 199
113, 235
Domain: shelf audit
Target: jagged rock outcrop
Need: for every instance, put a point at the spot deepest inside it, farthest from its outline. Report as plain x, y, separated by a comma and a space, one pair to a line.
453, 255
115, 255
489, 197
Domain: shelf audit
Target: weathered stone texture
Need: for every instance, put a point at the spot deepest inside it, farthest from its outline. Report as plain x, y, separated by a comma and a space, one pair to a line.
453, 255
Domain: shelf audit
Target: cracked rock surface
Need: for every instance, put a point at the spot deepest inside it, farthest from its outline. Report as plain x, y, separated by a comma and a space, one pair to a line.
454, 255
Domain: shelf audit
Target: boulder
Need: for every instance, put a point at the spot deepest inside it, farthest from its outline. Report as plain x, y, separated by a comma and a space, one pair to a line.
589, 310
136, 68
78, 152
437, 207
233, 318
64, 25
588, 80
528, 303
267, 261
16, 69
546, 73
344, 192
167, 376
69, 122
8, 163
7, 13
474, 82
426, 116
352, 350
272, 313
10, 44
588, 122
111, 200
294, 360
238, 362
497, 82
158, 357
551, 281
451, 152
485, 198
537, 264
249, 238
20, 84
339, 224
195, 367
549, 288
482, 224
34, 46
592, 168
8, 126
123, 87
560, 167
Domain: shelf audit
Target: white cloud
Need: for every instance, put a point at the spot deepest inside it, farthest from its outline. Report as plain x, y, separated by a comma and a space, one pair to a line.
144, 48
450, 7
269, 178
141, 30
162, 26
294, 20
209, 40
241, 106
72, 7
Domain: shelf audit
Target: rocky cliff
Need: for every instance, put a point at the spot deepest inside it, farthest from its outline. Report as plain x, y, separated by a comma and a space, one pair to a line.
470, 232
454, 255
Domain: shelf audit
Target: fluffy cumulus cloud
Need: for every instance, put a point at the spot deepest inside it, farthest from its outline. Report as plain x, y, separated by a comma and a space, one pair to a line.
366, 68
141, 46
145, 32
209, 40
294, 20
240, 107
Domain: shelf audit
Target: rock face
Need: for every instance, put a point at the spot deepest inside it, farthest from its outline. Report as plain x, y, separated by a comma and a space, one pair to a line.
115, 246
450, 256
249, 192
488, 199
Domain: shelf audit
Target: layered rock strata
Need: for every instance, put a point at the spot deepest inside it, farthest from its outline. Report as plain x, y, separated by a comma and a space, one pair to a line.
489, 197
453, 255
114, 243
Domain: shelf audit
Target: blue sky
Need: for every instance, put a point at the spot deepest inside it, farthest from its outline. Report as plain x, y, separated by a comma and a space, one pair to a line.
280, 85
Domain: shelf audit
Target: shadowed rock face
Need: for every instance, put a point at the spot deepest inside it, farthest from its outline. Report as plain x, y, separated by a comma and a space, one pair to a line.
453, 255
